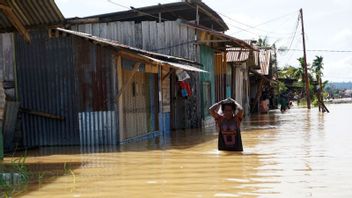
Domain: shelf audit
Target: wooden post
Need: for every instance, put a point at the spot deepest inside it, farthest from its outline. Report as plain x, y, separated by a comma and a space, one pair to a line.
15, 21
305, 62
1, 144
120, 100
161, 115
258, 94
197, 15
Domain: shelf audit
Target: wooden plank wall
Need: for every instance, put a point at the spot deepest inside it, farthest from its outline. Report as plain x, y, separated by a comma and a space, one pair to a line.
168, 37
135, 106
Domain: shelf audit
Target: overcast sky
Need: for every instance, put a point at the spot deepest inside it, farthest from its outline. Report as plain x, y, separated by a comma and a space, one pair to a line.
327, 25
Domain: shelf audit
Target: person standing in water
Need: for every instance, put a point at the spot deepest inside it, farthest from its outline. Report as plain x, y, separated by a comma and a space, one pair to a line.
228, 124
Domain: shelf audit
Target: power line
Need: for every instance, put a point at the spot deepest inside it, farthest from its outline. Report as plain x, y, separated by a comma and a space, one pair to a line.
256, 26
294, 35
319, 50
250, 26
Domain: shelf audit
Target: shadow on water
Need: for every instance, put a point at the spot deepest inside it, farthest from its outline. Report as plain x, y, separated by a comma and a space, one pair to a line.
180, 139
34, 176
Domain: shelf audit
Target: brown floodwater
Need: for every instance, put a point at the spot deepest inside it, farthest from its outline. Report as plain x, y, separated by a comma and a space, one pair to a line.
299, 153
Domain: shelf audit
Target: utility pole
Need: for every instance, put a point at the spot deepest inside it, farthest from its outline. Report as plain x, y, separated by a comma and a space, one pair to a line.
305, 61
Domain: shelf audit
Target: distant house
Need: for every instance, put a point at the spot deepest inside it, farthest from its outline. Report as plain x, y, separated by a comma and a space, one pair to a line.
251, 72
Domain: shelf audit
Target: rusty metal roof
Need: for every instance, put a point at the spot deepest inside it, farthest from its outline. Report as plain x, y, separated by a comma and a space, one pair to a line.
154, 57
235, 42
264, 61
30, 13
238, 55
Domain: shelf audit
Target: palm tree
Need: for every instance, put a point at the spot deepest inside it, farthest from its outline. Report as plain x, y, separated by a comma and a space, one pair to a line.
317, 68
263, 42
300, 71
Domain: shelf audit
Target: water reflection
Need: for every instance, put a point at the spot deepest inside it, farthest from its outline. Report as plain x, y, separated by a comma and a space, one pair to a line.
299, 153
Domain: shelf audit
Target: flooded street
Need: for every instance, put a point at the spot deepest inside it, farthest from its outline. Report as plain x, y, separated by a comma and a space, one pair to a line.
300, 153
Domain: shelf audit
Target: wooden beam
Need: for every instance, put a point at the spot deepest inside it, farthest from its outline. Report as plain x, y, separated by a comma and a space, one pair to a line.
15, 21
123, 88
120, 100
135, 57
42, 114
213, 41
167, 75
258, 95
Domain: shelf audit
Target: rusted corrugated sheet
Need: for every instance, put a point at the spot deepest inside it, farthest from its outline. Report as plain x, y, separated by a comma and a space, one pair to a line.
46, 83
95, 86
264, 61
32, 12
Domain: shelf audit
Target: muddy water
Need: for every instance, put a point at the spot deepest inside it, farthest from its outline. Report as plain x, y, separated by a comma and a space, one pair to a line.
296, 154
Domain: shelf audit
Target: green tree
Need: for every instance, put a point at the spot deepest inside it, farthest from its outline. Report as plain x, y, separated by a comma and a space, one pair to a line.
317, 68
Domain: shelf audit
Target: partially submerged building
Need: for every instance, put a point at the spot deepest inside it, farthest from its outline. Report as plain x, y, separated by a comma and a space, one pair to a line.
252, 77
115, 78
188, 29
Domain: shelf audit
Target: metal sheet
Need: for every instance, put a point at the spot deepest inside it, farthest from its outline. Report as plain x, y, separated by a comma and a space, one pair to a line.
174, 65
46, 83
9, 125
32, 12
95, 91
264, 61
237, 55
115, 44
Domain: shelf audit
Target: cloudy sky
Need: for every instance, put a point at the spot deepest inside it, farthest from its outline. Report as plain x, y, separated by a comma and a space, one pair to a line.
327, 25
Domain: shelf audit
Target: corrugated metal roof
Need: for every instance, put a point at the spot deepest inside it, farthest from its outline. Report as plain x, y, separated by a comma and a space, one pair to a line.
237, 55
242, 55
155, 57
31, 12
238, 42
175, 65
169, 12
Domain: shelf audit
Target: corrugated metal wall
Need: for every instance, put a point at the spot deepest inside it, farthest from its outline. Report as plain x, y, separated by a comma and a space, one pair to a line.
46, 83
96, 89
71, 78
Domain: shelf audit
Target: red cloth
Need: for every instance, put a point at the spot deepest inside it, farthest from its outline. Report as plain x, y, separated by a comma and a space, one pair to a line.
186, 86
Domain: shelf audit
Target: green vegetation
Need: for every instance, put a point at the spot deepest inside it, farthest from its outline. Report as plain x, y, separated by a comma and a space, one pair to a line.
15, 176
297, 87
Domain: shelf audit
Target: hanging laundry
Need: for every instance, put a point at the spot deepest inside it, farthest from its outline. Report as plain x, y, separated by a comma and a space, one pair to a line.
182, 75
185, 89
188, 89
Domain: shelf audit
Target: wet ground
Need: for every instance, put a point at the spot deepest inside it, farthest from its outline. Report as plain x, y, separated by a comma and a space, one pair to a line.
299, 153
